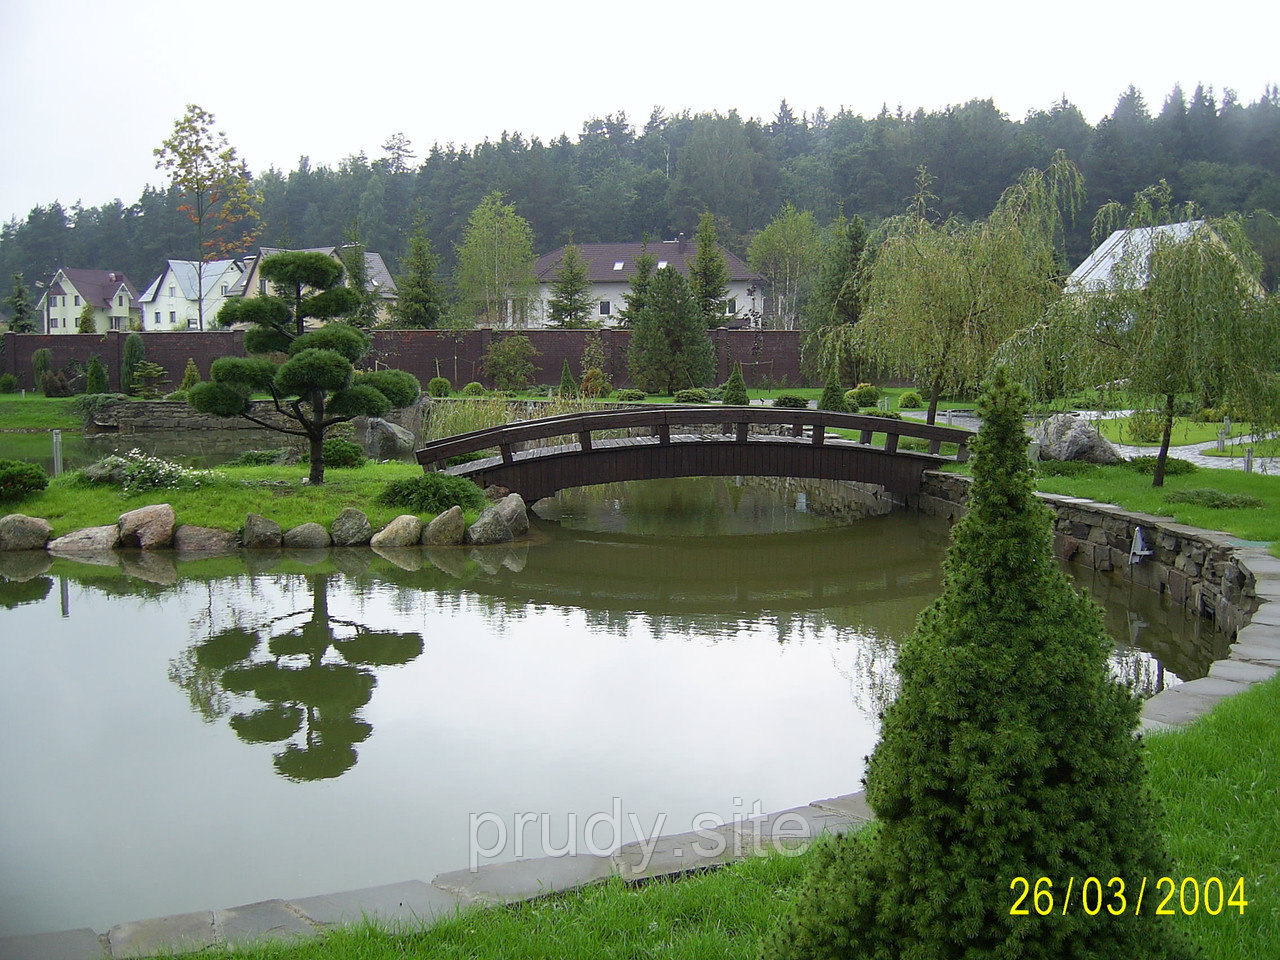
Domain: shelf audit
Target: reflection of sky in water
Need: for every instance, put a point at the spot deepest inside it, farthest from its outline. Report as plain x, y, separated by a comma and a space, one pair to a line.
681, 675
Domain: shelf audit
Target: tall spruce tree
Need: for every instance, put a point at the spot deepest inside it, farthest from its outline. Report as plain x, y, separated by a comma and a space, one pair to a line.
22, 316
571, 303
708, 275
420, 300
670, 348
1009, 752
634, 299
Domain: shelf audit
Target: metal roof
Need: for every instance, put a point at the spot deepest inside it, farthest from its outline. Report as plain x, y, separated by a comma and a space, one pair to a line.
1132, 248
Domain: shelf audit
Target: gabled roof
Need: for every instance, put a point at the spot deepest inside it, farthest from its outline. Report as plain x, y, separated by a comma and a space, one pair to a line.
98, 287
1099, 269
184, 275
603, 259
380, 280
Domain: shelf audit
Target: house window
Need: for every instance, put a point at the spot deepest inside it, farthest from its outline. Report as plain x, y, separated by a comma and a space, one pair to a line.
262, 287
120, 301
731, 305
77, 301
173, 316
662, 264
157, 318
604, 308
171, 290
191, 323
115, 323
617, 264
224, 289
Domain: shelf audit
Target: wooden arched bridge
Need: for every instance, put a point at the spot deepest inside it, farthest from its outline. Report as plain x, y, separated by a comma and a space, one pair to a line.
786, 443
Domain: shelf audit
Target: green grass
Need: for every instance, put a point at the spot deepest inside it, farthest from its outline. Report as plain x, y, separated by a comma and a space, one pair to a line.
70, 505
1185, 431
1218, 782
1261, 448
37, 412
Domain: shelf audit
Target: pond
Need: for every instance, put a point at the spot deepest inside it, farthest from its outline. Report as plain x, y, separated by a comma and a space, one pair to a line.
296, 725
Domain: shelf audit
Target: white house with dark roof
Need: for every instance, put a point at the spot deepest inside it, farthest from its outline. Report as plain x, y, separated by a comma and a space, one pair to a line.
380, 282
113, 297
172, 301
611, 266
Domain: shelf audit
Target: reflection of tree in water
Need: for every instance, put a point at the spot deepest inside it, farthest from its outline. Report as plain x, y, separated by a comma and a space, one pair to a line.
15, 593
312, 680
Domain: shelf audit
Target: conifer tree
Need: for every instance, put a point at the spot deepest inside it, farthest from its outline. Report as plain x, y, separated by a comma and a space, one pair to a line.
568, 386
832, 395
670, 348
735, 390
22, 316
1009, 752
634, 299
420, 300
135, 351
96, 376
571, 302
86, 322
708, 275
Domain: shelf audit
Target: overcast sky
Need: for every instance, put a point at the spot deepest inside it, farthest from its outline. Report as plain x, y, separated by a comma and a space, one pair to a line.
91, 87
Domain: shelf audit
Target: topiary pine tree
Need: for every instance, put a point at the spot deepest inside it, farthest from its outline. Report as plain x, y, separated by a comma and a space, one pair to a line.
832, 395
134, 352
190, 376
317, 386
735, 390
1009, 752
568, 386
96, 376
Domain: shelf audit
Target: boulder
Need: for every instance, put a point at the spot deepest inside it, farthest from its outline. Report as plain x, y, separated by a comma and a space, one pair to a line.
514, 512
24, 565
192, 539
307, 536
108, 470
489, 528
150, 566
406, 558
259, 532
90, 540
150, 528
386, 440
20, 532
351, 528
446, 530
1069, 436
404, 531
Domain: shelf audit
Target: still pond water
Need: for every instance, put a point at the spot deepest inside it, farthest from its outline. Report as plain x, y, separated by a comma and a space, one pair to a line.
314, 723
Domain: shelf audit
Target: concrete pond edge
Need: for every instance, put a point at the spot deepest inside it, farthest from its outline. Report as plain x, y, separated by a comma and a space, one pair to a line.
1244, 600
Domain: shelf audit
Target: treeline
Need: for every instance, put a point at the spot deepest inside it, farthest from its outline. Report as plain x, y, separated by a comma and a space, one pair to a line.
619, 180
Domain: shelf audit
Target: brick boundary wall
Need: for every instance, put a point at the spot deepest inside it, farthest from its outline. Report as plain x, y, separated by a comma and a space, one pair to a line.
771, 356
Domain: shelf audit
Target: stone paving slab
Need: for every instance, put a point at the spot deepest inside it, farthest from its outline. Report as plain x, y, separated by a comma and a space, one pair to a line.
182, 932
1239, 671
789, 831
410, 902
525, 879
1175, 707
1265, 654
1212, 688
675, 853
82, 944
851, 805
252, 923
1147, 725
1259, 635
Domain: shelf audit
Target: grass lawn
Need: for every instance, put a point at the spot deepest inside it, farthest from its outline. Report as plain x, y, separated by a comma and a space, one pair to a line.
1185, 431
275, 492
37, 412
1261, 448
1217, 781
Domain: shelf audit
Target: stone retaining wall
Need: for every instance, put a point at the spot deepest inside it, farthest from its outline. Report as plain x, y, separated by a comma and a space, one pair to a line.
1206, 572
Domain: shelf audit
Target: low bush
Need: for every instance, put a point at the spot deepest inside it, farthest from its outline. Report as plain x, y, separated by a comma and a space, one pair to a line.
790, 401
469, 457
8, 383
595, 384
1207, 415
55, 384
911, 400
263, 458
1213, 499
178, 396
885, 414
432, 493
88, 405
343, 453
473, 389
134, 472
439, 387
864, 395
1173, 467
692, 395
629, 396
735, 390
1144, 426
20, 479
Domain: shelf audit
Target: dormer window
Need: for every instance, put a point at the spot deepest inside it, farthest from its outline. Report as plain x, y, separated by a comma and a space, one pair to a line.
662, 264
617, 264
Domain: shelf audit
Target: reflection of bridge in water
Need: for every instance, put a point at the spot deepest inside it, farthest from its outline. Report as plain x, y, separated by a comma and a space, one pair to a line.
597, 454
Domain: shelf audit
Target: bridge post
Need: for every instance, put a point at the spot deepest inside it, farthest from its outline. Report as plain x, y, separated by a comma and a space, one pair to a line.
891, 443
664, 433
506, 452
584, 441
797, 429
741, 432
819, 434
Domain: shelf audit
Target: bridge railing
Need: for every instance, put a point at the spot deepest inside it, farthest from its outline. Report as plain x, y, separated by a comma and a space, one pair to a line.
662, 418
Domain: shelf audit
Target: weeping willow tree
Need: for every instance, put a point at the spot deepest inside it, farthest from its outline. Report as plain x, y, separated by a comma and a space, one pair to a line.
941, 296
1173, 307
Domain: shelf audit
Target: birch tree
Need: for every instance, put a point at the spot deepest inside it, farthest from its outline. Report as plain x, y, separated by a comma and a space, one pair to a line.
494, 273
787, 253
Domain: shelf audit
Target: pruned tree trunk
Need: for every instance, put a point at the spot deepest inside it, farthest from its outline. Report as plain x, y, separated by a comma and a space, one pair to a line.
1157, 478
934, 393
315, 434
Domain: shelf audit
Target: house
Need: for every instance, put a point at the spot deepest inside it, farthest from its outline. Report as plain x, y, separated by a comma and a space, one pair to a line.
172, 301
380, 282
109, 292
611, 266
1123, 260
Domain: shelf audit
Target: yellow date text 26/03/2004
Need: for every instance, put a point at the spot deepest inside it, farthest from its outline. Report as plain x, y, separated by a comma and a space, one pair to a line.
1115, 897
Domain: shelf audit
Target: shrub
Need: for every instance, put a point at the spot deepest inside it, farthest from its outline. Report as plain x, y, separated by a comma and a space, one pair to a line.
630, 396
19, 480
715, 394
55, 384
40, 362
509, 362
459, 458
432, 493
263, 458
473, 389
1144, 426
134, 472
190, 376
134, 351
735, 389
887, 415
595, 384
568, 386
1213, 499
88, 405
8, 383
178, 396
439, 387
911, 400
691, 395
1173, 466
1009, 751
833, 398
866, 394
96, 376
790, 401
342, 453
148, 378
